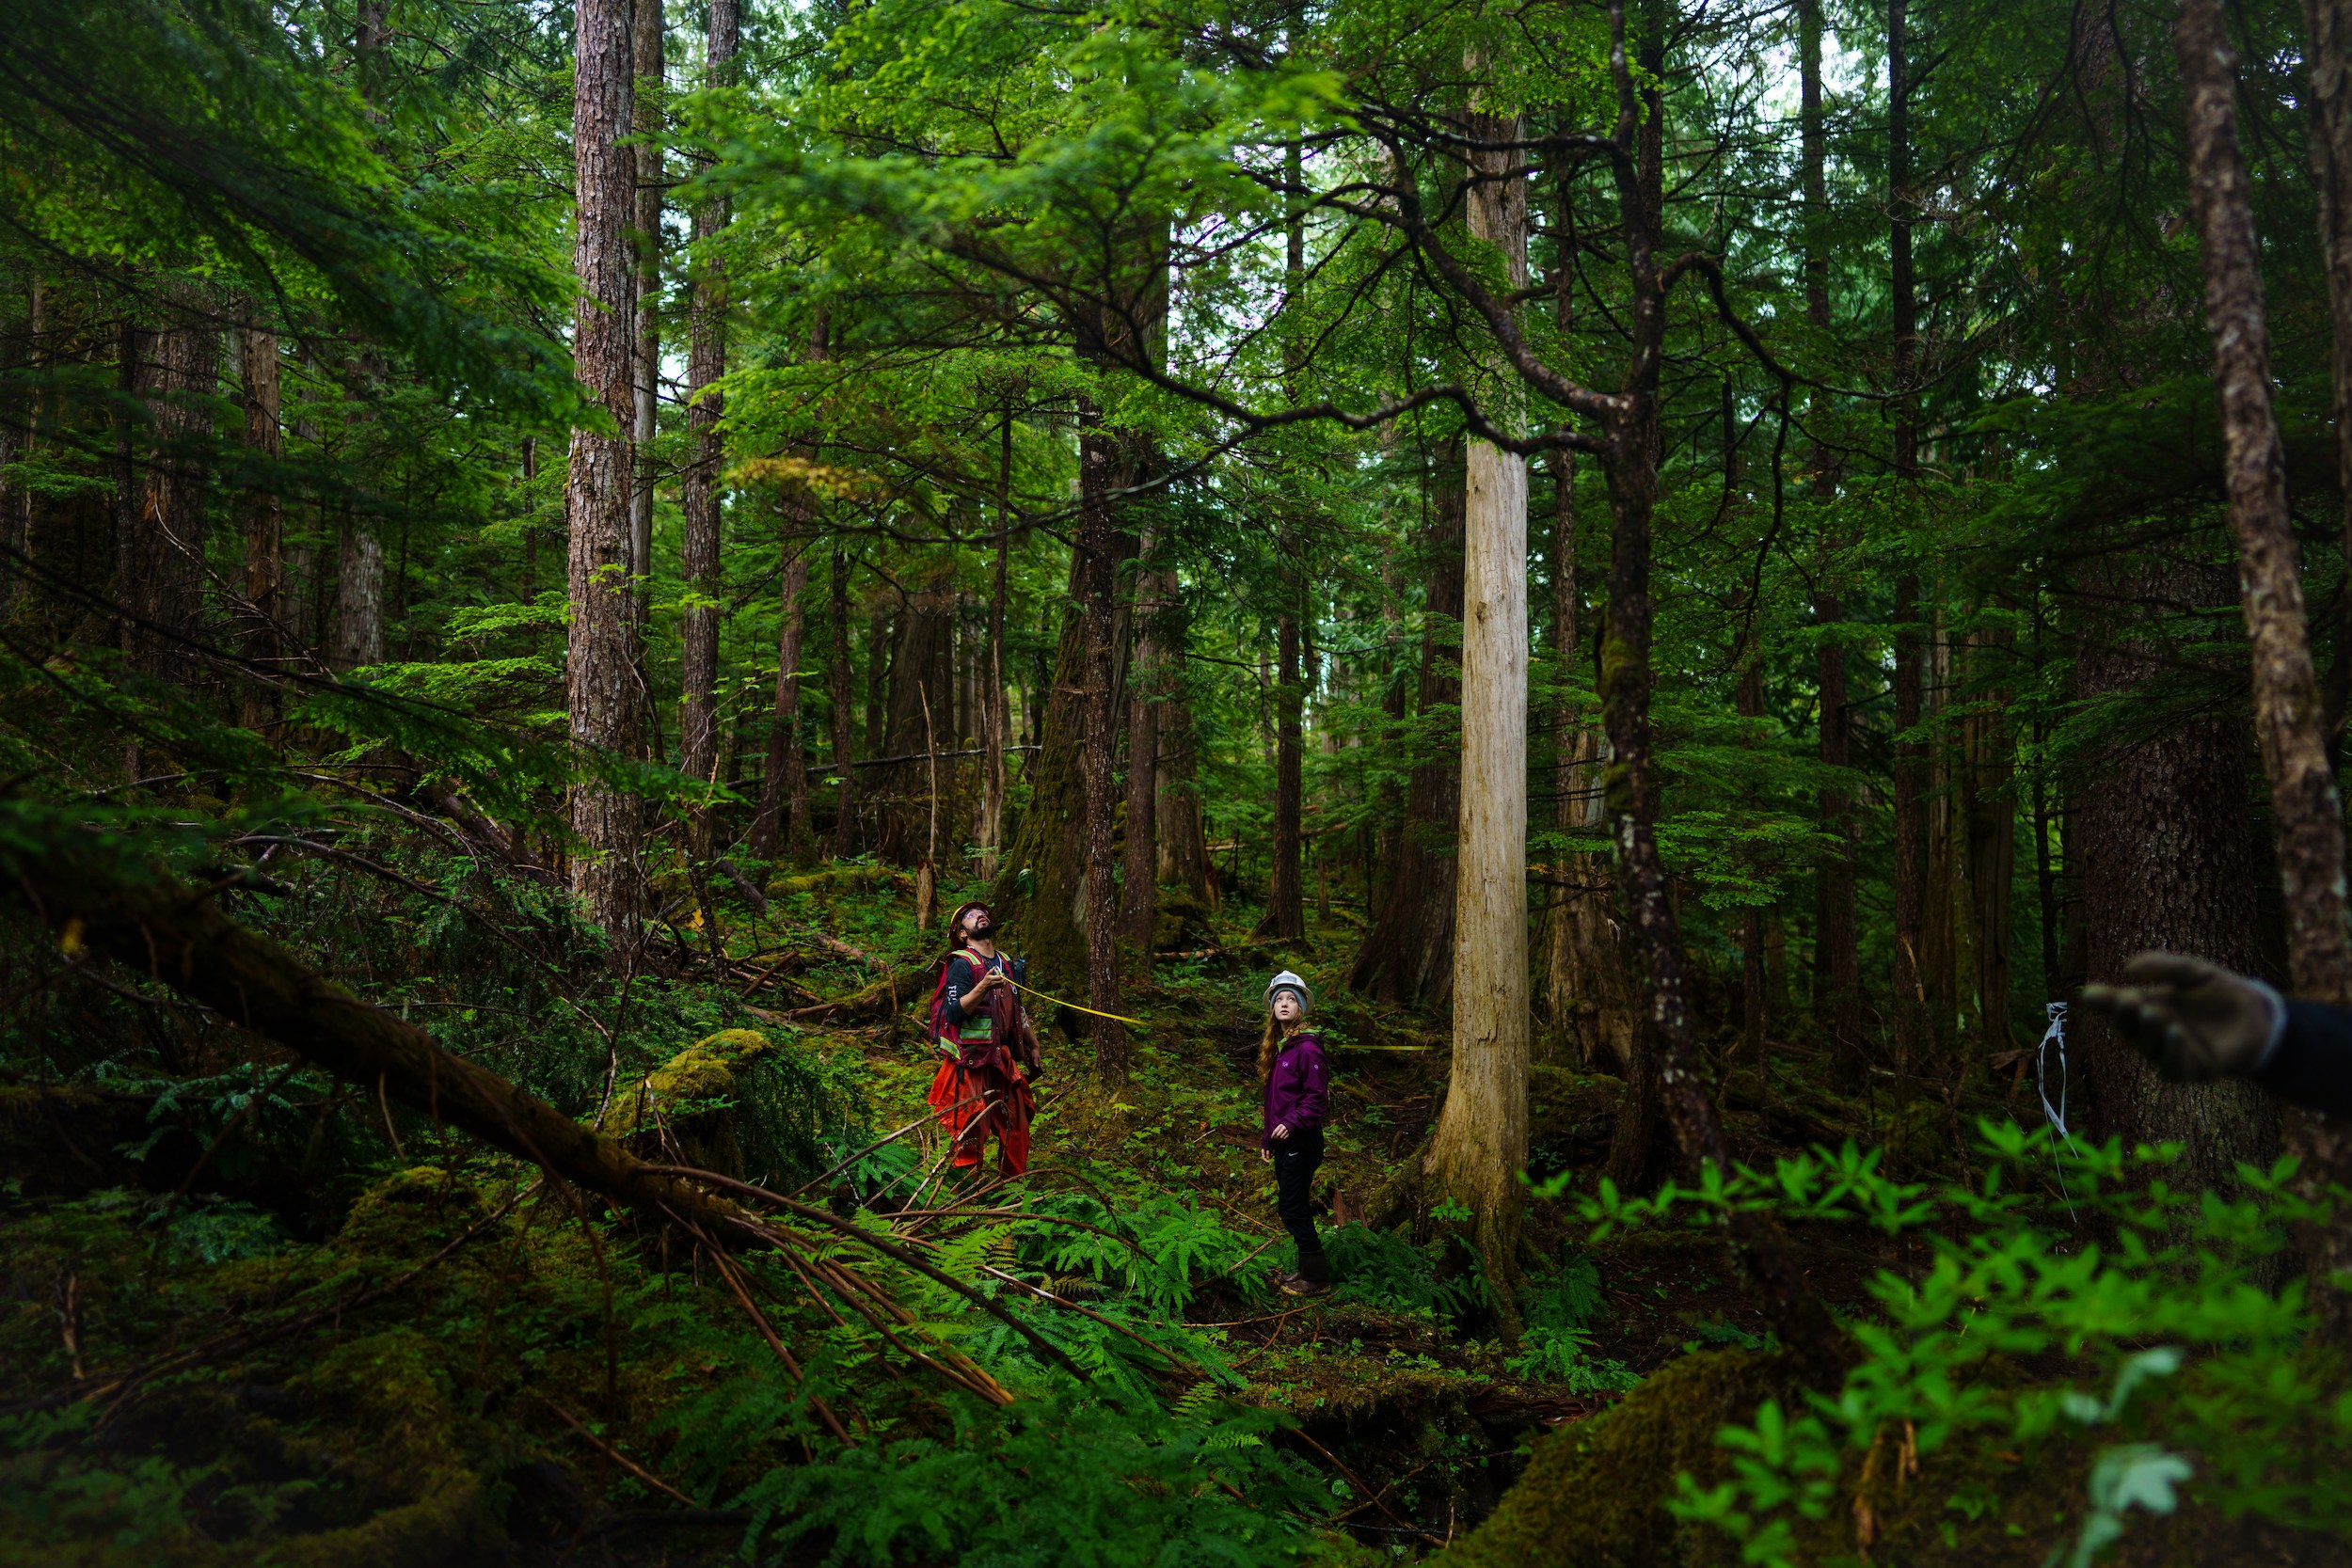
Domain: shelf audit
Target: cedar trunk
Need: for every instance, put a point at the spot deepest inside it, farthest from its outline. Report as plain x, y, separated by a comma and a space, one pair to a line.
838, 688
646, 242
1102, 469
1140, 889
264, 525
1285, 918
698, 484
1480, 1144
599, 687
783, 792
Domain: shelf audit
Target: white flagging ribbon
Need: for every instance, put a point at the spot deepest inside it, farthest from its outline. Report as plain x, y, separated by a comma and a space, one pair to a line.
2055, 1035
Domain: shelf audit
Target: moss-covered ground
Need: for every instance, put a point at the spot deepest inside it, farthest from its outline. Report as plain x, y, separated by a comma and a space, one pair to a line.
349, 1340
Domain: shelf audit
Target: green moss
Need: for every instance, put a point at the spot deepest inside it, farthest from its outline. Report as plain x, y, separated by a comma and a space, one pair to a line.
409, 1213
1594, 1495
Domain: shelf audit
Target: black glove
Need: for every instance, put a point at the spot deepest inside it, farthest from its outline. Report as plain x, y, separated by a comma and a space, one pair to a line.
2195, 1021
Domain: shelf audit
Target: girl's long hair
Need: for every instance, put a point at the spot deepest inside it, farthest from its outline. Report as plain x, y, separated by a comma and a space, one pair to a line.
1270, 1043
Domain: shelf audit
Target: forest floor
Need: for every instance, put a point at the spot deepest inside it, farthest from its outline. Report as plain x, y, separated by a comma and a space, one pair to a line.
351, 1340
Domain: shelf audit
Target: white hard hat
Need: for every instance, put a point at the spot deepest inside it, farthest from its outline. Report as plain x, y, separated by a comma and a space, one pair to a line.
1288, 981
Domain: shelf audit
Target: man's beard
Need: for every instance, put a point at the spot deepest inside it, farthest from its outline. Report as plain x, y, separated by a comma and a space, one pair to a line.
980, 930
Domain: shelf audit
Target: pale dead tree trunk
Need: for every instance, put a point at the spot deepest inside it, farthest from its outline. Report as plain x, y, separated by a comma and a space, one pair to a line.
1139, 902
1480, 1142
699, 486
2328, 68
995, 717
646, 59
2287, 716
265, 523
837, 687
784, 793
601, 689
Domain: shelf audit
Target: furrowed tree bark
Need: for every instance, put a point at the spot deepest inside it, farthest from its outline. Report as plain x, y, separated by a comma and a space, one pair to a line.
838, 685
2288, 721
784, 791
1562, 997
1182, 836
699, 486
647, 65
170, 535
1408, 956
601, 689
1285, 916
1041, 889
2167, 857
265, 523
994, 715
1480, 1142
1138, 892
1797, 1313
1102, 469
2328, 70
1754, 992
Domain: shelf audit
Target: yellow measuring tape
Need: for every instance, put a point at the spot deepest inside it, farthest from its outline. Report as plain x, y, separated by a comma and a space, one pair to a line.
1115, 1018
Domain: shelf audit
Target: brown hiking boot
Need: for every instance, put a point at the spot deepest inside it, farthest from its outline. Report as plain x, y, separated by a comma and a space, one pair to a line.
1298, 1285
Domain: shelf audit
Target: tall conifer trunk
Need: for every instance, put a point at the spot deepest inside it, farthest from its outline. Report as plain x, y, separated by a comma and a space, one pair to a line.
1140, 865
2328, 69
1408, 956
838, 688
265, 523
1102, 471
783, 792
1480, 1144
599, 687
646, 60
1911, 826
2288, 721
699, 486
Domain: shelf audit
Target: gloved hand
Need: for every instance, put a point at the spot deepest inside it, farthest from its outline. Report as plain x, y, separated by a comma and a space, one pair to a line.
2195, 1021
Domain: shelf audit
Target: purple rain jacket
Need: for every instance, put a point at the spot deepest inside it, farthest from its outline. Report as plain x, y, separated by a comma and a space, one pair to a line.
1298, 1091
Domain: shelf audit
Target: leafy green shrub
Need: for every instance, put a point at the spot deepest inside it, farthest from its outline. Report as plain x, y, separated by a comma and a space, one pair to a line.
1061, 1482
1563, 1356
1384, 1271
2186, 1304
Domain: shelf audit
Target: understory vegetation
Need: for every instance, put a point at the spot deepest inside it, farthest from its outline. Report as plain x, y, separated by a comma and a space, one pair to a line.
1694, 569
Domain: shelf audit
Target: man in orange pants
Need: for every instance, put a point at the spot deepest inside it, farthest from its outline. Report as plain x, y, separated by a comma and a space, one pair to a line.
984, 1034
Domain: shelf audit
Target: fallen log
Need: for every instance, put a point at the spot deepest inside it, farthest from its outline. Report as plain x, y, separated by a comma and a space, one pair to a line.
173, 933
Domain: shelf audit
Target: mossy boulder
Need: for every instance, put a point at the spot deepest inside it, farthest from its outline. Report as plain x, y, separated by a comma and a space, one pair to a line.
686, 1108
410, 1213
1181, 922
1595, 1494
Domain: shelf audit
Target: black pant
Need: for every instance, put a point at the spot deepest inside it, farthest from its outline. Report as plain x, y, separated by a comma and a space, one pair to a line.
1295, 1159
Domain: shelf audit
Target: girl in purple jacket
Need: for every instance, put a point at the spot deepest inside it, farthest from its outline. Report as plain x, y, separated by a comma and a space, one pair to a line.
1297, 1099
